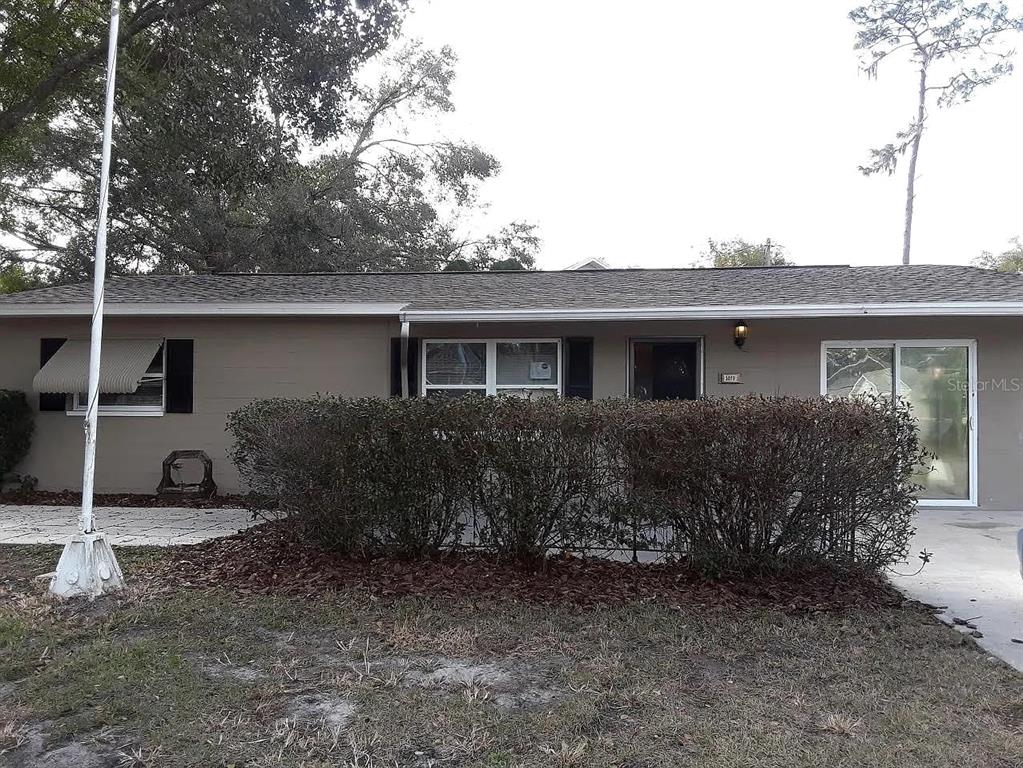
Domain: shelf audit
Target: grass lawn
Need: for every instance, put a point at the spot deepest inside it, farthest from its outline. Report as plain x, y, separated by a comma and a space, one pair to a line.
218, 678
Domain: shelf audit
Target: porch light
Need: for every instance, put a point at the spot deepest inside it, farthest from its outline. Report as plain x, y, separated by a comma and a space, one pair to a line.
740, 333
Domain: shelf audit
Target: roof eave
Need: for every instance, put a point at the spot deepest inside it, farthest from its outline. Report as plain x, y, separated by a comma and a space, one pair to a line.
720, 312
393, 309
206, 309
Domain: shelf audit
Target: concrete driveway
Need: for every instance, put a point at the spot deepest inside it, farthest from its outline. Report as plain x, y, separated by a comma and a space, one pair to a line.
974, 575
143, 526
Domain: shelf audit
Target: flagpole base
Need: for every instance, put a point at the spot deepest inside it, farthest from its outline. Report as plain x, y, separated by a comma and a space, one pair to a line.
87, 568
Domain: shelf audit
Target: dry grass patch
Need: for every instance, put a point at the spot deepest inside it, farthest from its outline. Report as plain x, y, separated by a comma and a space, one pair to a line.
14, 731
844, 725
220, 678
409, 635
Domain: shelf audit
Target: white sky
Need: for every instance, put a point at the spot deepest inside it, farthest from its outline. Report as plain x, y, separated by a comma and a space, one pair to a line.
633, 132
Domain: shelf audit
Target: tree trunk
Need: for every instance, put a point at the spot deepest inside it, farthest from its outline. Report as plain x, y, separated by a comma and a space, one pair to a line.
914, 153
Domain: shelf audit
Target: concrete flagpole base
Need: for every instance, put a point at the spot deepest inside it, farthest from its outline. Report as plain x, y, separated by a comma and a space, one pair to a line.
87, 568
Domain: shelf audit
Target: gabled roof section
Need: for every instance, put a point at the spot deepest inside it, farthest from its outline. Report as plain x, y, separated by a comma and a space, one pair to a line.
595, 263
588, 294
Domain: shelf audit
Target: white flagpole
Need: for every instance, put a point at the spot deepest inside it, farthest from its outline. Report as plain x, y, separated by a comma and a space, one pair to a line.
87, 566
98, 280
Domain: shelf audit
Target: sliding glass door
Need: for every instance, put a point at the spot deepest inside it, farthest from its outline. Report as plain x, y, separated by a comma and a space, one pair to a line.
937, 379
936, 382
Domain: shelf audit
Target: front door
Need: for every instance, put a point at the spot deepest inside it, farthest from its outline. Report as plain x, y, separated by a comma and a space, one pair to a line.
665, 370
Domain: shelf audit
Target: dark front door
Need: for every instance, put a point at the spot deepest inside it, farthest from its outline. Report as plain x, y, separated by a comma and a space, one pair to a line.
665, 370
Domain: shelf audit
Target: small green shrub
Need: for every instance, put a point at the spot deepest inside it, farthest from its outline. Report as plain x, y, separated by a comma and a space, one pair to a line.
740, 482
16, 427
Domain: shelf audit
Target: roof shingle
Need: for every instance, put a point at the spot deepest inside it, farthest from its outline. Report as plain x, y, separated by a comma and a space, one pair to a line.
604, 289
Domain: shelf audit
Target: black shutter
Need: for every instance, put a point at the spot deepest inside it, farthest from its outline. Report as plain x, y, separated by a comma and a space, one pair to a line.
579, 367
50, 402
178, 375
413, 367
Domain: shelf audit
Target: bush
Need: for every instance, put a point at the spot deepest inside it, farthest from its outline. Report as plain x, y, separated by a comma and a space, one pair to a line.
749, 481
539, 476
361, 476
762, 480
16, 427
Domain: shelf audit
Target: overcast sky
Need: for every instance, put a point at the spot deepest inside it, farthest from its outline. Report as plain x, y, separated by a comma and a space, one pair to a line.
634, 132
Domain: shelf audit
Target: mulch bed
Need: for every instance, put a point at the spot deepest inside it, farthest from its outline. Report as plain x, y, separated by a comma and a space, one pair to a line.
269, 559
74, 499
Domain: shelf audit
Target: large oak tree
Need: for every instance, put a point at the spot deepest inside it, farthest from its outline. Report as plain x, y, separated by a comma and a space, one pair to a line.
246, 138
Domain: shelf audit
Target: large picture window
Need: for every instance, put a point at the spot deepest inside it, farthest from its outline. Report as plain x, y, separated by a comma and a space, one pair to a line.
938, 380
522, 367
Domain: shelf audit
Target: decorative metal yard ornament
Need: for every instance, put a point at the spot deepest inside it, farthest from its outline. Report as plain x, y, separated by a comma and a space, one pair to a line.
87, 567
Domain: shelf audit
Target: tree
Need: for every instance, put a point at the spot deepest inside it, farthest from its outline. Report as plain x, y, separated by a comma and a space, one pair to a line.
1009, 260
509, 250
15, 278
950, 40
740, 253
247, 140
54, 52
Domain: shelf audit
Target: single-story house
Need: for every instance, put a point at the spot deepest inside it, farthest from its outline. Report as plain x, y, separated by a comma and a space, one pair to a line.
181, 352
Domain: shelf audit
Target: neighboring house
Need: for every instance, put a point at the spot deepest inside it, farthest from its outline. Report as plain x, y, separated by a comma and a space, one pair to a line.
589, 264
877, 383
181, 352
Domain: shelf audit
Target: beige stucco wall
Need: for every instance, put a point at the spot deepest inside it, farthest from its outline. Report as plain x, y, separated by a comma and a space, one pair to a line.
240, 359
784, 357
236, 360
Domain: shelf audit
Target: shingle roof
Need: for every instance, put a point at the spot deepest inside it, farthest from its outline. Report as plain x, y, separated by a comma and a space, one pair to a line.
603, 289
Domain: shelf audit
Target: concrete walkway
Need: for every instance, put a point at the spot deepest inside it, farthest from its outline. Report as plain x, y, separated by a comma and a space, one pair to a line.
150, 526
974, 575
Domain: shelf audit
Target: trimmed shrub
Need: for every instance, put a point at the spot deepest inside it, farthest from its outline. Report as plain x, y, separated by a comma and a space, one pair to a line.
541, 474
16, 427
740, 482
361, 476
760, 480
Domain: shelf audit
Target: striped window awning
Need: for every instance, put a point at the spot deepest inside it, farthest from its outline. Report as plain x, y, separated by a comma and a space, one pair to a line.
123, 363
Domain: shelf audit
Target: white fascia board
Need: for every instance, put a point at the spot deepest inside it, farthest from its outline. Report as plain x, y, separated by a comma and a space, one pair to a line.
368, 309
223, 309
906, 309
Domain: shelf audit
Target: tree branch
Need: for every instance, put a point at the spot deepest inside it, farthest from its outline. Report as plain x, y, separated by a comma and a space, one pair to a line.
64, 72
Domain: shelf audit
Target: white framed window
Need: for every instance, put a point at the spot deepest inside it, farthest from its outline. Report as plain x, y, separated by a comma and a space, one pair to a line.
938, 378
149, 399
522, 367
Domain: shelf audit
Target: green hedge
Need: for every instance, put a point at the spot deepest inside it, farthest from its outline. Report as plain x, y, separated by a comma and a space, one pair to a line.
16, 427
723, 482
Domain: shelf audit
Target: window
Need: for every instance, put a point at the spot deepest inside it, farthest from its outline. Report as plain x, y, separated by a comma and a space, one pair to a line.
147, 400
520, 367
937, 379
455, 368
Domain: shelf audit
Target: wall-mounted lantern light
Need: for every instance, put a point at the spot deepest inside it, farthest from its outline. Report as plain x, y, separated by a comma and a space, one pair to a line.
740, 333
